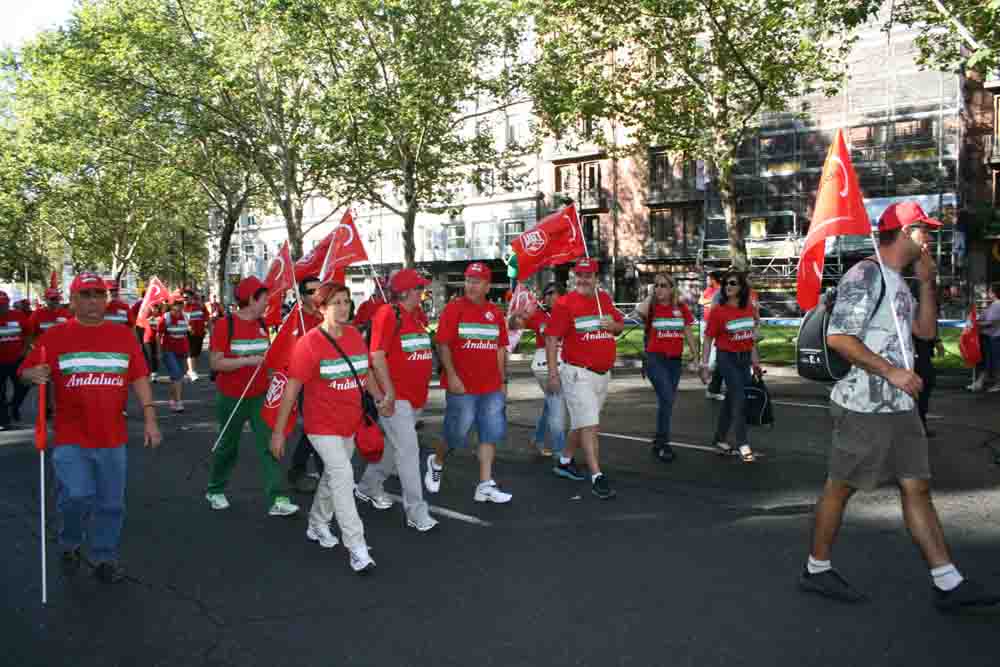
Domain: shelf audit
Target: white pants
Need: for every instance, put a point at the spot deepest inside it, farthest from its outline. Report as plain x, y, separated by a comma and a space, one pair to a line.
335, 493
585, 392
401, 457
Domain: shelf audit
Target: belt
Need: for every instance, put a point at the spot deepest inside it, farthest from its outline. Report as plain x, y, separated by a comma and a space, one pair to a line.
666, 357
588, 368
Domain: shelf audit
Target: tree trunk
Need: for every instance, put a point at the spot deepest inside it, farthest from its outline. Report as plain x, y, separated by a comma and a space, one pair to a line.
410, 218
232, 216
292, 211
727, 194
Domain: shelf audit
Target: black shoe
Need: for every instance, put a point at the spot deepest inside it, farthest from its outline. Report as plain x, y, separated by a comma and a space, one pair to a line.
966, 595
71, 561
569, 471
110, 573
664, 452
830, 584
601, 488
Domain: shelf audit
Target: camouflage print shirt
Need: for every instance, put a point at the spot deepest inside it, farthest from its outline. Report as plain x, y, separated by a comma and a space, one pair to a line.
853, 315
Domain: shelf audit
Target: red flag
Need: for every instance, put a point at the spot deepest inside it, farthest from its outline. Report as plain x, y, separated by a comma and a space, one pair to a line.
557, 239
53, 281
840, 210
276, 361
968, 342
523, 302
312, 263
156, 293
345, 249
280, 278
41, 428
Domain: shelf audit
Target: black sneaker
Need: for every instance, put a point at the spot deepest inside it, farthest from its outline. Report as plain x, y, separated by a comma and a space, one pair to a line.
966, 595
71, 561
601, 488
832, 585
568, 470
664, 452
110, 573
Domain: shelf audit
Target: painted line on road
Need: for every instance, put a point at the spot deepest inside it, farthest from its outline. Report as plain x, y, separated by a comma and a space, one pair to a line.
451, 514
673, 443
802, 405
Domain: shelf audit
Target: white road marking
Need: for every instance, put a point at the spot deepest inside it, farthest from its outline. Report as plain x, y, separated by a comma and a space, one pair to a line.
802, 405
673, 443
451, 514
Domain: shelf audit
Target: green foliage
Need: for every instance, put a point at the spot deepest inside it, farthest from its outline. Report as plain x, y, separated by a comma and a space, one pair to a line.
955, 33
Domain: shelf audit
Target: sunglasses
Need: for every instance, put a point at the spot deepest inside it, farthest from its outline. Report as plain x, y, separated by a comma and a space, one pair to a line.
309, 292
658, 285
732, 283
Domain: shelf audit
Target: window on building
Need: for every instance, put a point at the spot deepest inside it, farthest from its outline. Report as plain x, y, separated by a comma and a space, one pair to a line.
265, 253
659, 171
456, 237
511, 230
568, 180
592, 176
483, 180
249, 250
591, 225
676, 228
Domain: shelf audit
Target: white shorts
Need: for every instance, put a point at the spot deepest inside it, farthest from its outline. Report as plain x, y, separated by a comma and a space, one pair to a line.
584, 392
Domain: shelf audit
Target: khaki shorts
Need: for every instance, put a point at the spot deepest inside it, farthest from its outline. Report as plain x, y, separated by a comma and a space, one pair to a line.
869, 448
584, 392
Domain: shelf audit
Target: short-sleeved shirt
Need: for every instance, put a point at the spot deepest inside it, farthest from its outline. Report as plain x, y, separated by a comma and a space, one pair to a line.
197, 315
331, 402
732, 327
118, 312
92, 367
13, 334
473, 333
151, 328
367, 310
854, 315
44, 319
539, 323
991, 318
133, 312
249, 339
706, 301
407, 347
577, 320
666, 329
174, 334
311, 320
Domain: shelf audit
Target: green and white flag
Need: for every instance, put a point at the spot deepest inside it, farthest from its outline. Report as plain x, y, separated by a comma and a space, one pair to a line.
336, 369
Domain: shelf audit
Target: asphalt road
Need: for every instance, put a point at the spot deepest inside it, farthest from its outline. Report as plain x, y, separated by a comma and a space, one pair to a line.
692, 564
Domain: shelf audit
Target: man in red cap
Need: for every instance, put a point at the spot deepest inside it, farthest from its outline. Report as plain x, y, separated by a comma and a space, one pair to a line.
198, 318
117, 311
51, 314
587, 322
13, 344
239, 343
403, 362
472, 343
877, 435
91, 363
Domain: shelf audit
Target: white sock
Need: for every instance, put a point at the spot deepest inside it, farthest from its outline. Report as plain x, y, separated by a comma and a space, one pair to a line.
488, 482
947, 577
814, 566
564, 460
593, 478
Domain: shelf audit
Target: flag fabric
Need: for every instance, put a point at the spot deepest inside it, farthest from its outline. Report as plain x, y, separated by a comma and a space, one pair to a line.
53, 281
280, 278
41, 428
345, 249
523, 302
968, 342
555, 240
313, 262
276, 362
840, 210
156, 293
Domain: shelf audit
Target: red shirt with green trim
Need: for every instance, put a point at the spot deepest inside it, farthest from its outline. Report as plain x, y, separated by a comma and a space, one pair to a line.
539, 323
92, 368
13, 334
197, 315
249, 339
174, 334
473, 332
331, 402
407, 352
731, 327
311, 320
575, 319
44, 319
666, 330
119, 312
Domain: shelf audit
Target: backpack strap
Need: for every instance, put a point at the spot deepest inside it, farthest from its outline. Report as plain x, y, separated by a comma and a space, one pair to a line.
881, 291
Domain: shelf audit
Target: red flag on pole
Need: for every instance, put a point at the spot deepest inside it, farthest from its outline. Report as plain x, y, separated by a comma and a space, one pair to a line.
156, 293
840, 210
312, 263
277, 359
41, 428
53, 281
280, 278
968, 342
557, 239
345, 249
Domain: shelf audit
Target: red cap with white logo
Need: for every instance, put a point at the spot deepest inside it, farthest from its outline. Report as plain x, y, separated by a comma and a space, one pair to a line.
585, 265
88, 281
478, 270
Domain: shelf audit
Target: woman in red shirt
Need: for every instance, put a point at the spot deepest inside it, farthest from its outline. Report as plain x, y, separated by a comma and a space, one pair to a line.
732, 326
668, 325
173, 336
332, 415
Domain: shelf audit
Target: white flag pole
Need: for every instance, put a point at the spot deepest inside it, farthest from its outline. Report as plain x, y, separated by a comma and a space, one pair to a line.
586, 252
41, 527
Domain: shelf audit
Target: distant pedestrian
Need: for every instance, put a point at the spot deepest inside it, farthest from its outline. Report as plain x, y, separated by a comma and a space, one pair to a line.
199, 320
117, 311
173, 337
13, 345
151, 340
51, 314
714, 389
990, 321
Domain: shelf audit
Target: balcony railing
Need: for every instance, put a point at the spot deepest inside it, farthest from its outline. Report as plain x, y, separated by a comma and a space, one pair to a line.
681, 190
587, 199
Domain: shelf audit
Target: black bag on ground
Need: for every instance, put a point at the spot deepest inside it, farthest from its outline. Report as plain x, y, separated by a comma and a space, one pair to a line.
758, 408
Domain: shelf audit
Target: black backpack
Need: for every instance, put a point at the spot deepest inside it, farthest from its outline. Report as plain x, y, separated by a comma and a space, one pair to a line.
758, 407
813, 359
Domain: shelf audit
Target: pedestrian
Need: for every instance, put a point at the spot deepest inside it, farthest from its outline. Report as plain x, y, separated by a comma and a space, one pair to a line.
472, 344
365, 312
402, 360
298, 472
714, 389
13, 345
732, 331
876, 430
238, 345
198, 318
323, 366
92, 363
552, 421
990, 321
51, 314
150, 340
117, 311
173, 337
587, 322
668, 324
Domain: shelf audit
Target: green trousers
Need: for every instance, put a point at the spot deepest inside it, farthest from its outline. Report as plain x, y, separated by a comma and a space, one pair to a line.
225, 456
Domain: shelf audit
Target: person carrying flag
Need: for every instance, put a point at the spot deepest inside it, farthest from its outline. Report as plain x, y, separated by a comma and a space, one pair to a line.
298, 477
92, 363
198, 318
117, 311
173, 337
151, 342
238, 344
13, 344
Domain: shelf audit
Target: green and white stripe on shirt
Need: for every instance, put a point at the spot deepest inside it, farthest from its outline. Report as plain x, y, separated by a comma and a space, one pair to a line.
739, 324
10, 329
336, 369
415, 342
246, 347
179, 330
478, 331
117, 316
93, 362
668, 324
587, 323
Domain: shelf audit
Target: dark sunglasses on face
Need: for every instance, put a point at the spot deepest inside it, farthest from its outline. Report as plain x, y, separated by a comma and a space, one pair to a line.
309, 292
732, 283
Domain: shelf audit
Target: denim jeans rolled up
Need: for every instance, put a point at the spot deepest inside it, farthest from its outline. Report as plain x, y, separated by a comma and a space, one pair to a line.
552, 421
665, 374
735, 370
91, 498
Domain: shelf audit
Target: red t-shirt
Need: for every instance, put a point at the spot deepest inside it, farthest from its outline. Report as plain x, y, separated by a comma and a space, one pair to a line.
539, 323
575, 319
732, 328
152, 328
367, 310
312, 320
328, 382
666, 331
473, 332
13, 334
45, 318
133, 312
707, 297
249, 339
197, 317
119, 313
92, 368
174, 334
407, 352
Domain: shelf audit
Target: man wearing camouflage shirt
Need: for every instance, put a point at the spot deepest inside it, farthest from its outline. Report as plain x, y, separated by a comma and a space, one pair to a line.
877, 434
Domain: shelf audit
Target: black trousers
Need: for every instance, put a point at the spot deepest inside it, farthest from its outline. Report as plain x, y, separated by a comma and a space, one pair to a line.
923, 365
8, 372
195, 343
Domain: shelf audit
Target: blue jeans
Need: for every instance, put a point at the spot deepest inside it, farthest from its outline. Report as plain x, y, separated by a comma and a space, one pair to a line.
175, 365
487, 412
552, 421
91, 498
665, 374
735, 369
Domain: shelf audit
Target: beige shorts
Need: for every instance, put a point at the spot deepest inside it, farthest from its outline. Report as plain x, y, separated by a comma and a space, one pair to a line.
584, 392
869, 449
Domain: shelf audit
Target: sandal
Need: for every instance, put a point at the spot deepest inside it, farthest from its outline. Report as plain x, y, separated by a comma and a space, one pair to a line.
747, 455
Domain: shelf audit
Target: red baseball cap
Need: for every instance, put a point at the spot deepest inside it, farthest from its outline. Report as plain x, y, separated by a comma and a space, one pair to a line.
904, 214
86, 280
585, 265
478, 270
407, 279
248, 287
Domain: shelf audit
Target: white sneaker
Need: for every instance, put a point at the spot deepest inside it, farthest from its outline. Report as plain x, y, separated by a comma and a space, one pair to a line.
361, 560
994, 389
422, 526
978, 385
432, 478
153, 377
379, 501
179, 407
322, 534
489, 492
193, 376
713, 396
283, 507
217, 501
